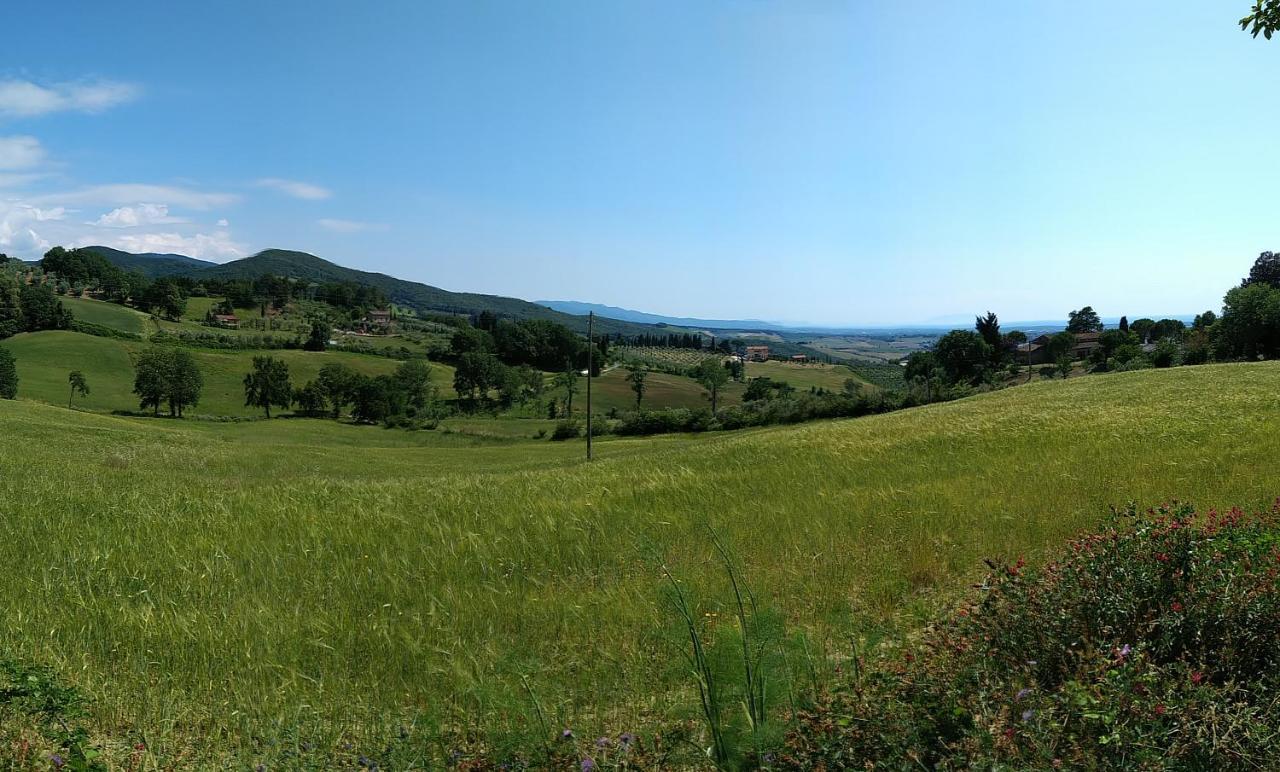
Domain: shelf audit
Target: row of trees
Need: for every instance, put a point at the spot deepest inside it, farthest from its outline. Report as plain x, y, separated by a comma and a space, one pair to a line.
538, 343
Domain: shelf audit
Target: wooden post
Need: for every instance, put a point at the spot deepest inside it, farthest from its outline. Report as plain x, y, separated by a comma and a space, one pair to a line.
591, 346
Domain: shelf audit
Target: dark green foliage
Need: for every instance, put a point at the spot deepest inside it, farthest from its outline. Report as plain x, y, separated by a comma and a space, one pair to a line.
318, 336
989, 328
713, 376
568, 429
1263, 18
1204, 321
1154, 644
1250, 323
41, 309
267, 385
167, 375
766, 388
1165, 354
962, 356
164, 297
1084, 320
1142, 329
8, 375
10, 307
1060, 345
78, 385
476, 374
310, 400
922, 365
636, 375
337, 383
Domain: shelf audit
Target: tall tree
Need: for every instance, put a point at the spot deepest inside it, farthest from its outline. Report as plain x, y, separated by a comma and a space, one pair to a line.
635, 376
963, 356
567, 380
10, 307
1084, 320
318, 336
1265, 270
338, 383
41, 309
713, 375
267, 385
1124, 324
989, 328
150, 376
185, 382
78, 385
8, 375
414, 378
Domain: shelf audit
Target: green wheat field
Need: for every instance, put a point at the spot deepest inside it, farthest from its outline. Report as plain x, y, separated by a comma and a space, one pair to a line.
225, 590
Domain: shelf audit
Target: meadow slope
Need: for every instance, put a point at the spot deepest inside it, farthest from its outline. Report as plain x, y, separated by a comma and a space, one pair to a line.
223, 590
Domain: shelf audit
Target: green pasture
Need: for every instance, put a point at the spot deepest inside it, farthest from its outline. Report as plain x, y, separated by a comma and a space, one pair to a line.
45, 359
237, 593
107, 314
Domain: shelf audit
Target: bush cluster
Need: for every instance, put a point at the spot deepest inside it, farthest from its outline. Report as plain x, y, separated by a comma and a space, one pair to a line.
1153, 644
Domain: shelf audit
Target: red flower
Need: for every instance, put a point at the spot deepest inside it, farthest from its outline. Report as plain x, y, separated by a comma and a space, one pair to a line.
1163, 558
1160, 710
1197, 677
1176, 606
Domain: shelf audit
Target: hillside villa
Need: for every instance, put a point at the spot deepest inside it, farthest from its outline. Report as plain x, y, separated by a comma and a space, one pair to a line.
757, 354
1036, 352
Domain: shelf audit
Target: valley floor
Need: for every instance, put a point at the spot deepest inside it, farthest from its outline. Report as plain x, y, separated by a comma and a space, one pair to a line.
225, 591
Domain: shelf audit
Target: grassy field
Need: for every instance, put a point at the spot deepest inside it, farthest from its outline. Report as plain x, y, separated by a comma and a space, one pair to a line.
229, 592
45, 358
803, 376
108, 314
612, 391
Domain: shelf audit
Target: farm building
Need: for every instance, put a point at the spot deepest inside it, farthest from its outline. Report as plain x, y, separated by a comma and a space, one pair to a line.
226, 320
1032, 354
1084, 345
757, 354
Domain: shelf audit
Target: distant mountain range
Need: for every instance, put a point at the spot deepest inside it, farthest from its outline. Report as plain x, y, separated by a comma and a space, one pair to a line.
423, 298
628, 315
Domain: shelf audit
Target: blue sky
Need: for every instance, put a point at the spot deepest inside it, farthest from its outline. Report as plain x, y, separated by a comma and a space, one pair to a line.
862, 162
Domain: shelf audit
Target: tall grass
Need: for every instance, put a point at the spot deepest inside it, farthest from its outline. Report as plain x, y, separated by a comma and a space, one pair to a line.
241, 593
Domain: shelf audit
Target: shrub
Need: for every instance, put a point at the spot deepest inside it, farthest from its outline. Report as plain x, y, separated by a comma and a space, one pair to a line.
568, 429
1154, 644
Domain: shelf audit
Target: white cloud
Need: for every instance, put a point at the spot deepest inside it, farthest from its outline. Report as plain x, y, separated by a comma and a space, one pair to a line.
223, 223
217, 246
349, 226
134, 216
130, 193
20, 152
304, 190
22, 98
16, 234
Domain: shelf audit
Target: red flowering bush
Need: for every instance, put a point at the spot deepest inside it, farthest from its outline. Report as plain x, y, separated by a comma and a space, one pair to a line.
1153, 644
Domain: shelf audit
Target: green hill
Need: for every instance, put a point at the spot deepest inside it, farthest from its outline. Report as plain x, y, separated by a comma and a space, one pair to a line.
422, 298
151, 264
45, 359
298, 592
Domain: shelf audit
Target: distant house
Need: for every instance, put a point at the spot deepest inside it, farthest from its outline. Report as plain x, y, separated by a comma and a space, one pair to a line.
1032, 354
757, 353
799, 358
226, 320
1085, 343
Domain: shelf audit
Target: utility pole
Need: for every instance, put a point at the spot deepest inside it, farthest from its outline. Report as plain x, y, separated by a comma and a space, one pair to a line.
591, 345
